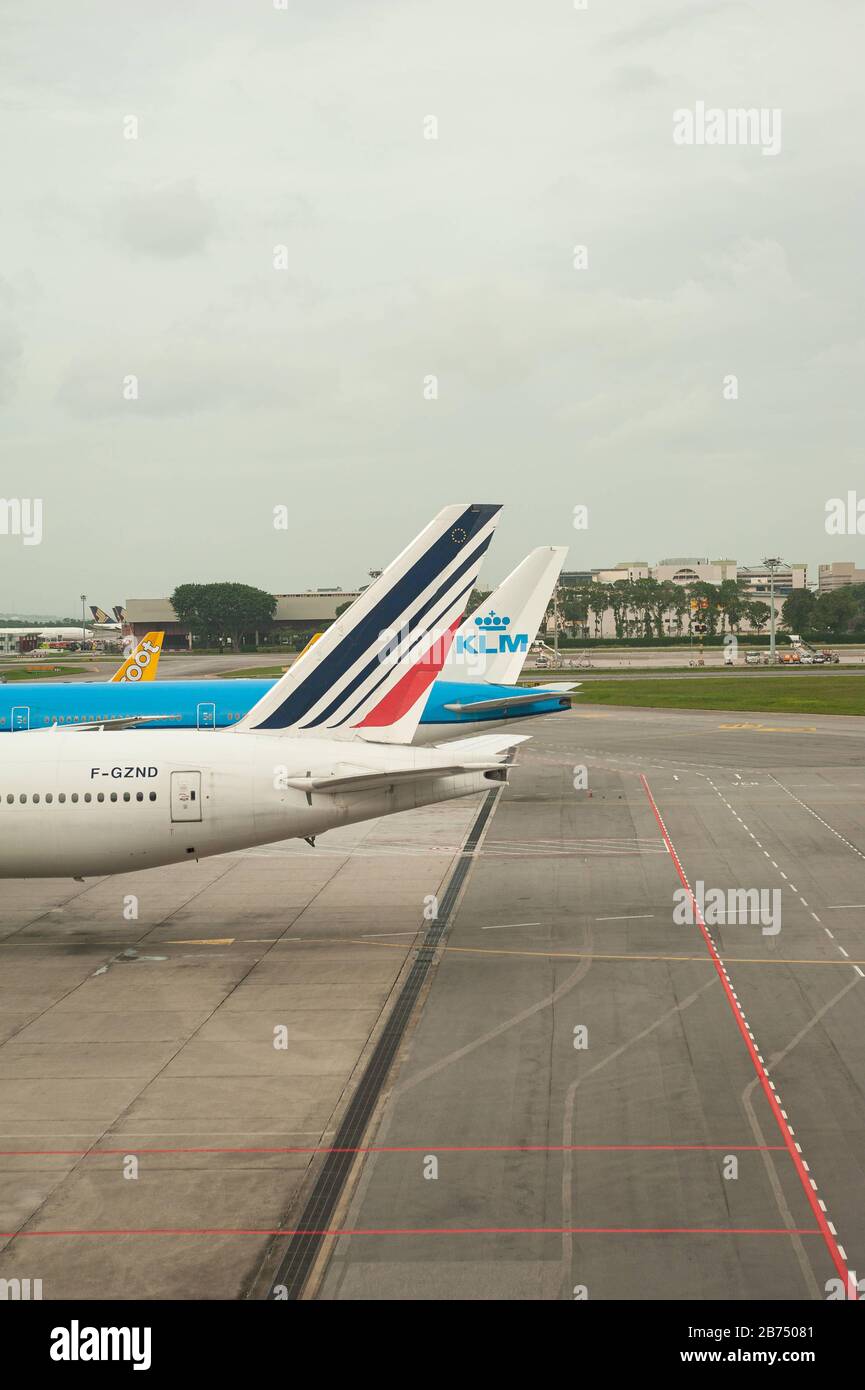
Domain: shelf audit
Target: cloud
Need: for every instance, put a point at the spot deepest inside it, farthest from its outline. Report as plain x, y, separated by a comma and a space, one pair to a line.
10, 359
669, 22
170, 222
635, 78
410, 257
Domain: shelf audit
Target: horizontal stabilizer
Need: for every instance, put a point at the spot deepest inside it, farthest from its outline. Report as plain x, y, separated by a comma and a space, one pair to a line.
505, 702
484, 745
375, 781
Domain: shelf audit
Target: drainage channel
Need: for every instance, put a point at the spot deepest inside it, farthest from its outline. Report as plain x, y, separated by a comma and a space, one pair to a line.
304, 1244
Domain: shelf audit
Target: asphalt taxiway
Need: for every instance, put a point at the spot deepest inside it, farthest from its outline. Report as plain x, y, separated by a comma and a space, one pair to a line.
586, 1099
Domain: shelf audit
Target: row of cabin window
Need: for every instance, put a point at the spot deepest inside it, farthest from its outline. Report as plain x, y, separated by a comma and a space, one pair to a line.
87, 796
95, 718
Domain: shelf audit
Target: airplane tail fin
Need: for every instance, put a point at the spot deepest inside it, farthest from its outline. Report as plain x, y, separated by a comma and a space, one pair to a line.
119, 612
368, 675
99, 614
494, 641
311, 643
141, 664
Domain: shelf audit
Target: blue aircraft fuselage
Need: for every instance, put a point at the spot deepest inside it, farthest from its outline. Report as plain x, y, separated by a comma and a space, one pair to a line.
216, 704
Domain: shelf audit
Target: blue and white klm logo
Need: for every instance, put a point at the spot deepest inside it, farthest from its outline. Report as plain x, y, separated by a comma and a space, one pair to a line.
492, 638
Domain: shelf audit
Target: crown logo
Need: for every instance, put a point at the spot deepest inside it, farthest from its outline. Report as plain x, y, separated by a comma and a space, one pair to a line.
493, 623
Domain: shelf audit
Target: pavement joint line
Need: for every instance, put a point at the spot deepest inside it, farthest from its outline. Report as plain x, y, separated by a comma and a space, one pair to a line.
406, 1149
341, 1232
836, 1253
391, 933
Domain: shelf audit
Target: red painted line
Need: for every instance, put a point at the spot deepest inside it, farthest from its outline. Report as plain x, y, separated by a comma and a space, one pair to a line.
831, 1243
426, 1231
415, 1149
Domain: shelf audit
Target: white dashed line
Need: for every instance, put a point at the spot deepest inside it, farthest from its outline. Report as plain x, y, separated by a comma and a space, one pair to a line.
745, 1027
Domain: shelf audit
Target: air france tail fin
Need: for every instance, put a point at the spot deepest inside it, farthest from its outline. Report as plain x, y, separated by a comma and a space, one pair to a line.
369, 674
494, 641
99, 614
141, 664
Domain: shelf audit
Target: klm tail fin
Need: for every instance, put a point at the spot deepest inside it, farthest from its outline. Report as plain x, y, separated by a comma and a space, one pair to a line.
494, 641
368, 675
141, 664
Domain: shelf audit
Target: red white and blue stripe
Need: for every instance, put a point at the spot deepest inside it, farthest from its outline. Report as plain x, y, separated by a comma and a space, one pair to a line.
372, 668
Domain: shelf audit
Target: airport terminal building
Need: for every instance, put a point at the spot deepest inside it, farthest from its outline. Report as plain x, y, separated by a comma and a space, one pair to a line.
295, 613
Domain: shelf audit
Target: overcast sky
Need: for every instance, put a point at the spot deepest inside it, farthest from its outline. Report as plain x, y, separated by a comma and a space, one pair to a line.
407, 258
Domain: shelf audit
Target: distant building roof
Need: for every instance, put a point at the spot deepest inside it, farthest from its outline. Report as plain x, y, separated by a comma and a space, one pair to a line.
311, 606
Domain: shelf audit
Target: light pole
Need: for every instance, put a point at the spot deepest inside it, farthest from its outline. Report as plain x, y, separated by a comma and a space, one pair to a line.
556, 621
772, 565
83, 623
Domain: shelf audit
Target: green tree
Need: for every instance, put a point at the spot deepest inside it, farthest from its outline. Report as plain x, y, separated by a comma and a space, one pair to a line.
837, 611
681, 606
574, 608
798, 610
644, 596
664, 602
710, 613
476, 598
758, 614
618, 599
219, 612
731, 599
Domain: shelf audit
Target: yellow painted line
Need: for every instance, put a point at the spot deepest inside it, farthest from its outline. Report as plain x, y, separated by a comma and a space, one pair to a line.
593, 955
504, 951
205, 941
773, 728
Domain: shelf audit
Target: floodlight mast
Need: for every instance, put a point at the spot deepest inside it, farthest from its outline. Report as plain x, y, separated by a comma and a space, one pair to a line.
772, 563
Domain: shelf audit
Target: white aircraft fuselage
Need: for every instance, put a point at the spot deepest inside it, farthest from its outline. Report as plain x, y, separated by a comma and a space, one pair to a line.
90, 803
